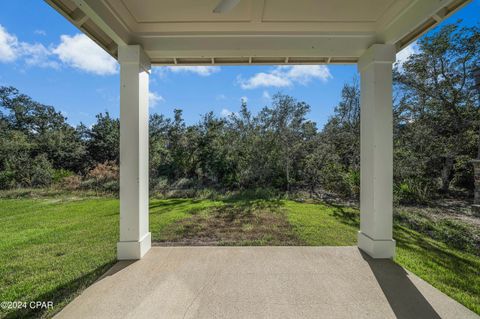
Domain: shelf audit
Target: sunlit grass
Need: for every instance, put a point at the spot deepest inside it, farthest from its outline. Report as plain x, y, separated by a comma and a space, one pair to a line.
51, 249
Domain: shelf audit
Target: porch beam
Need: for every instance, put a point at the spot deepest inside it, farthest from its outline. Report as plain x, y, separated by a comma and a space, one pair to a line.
376, 151
135, 238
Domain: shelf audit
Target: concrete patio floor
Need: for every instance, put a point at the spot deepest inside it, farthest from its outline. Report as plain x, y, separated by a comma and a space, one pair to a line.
261, 282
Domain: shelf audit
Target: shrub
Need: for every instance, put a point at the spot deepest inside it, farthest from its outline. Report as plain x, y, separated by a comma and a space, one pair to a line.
159, 185
104, 172
255, 193
71, 182
184, 183
352, 178
103, 177
111, 186
336, 180
413, 190
60, 174
42, 172
463, 176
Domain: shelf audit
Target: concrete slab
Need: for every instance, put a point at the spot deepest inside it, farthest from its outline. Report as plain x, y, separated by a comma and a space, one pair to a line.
261, 282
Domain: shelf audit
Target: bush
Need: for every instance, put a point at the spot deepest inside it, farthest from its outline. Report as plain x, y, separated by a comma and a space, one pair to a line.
256, 193
463, 176
413, 190
103, 177
7, 179
60, 174
104, 172
159, 185
72, 182
184, 183
352, 178
336, 180
42, 172
111, 186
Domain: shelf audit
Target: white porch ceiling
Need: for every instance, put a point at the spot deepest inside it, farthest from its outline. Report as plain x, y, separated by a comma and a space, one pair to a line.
187, 32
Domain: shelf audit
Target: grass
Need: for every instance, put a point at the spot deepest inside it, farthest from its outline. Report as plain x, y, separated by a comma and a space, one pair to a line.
52, 249
233, 223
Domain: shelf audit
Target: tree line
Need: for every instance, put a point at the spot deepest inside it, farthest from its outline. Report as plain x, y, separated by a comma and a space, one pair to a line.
436, 134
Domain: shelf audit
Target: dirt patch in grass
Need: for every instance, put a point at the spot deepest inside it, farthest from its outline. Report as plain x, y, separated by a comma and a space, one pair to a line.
238, 224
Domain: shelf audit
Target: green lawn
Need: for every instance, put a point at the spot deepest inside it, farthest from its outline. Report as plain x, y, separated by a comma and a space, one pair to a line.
52, 249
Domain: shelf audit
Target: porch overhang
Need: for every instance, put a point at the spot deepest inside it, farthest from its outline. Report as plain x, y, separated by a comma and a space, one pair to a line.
187, 32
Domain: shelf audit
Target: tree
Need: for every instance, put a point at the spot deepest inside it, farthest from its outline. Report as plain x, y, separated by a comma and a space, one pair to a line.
343, 128
34, 137
437, 109
103, 142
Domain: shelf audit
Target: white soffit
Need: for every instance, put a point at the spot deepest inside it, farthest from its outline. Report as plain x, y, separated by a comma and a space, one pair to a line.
187, 32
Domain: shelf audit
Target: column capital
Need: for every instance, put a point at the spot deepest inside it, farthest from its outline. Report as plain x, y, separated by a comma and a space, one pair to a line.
377, 53
131, 54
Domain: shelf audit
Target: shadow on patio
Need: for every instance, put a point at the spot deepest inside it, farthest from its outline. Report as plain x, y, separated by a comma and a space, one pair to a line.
261, 282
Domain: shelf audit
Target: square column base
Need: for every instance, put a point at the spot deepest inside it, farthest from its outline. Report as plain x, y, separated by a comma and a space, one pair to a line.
383, 248
132, 250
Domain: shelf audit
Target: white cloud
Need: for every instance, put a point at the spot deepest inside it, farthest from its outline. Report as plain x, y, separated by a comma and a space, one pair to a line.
266, 95
82, 53
37, 54
283, 76
226, 113
34, 54
305, 73
77, 51
265, 80
154, 99
409, 50
8, 46
202, 70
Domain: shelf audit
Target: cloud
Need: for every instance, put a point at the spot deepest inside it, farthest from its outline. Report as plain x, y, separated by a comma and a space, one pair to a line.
37, 54
202, 70
226, 113
284, 76
76, 51
154, 99
265, 80
80, 52
266, 95
221, 97
409, 50
8, 46
34, 54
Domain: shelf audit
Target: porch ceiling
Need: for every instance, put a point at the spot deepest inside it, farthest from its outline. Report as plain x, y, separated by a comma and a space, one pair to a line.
187, 32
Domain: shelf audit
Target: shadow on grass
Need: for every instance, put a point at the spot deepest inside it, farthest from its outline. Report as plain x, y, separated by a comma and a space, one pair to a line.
177, 202
435, 252
253, 203
455, 273
404, 298
63, 294
346, 216
231, 222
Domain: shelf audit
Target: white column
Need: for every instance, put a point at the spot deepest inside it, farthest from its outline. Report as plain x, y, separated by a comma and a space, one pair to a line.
376, 152
135, 239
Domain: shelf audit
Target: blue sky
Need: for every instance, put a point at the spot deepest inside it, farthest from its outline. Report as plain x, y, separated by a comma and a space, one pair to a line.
44, 56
